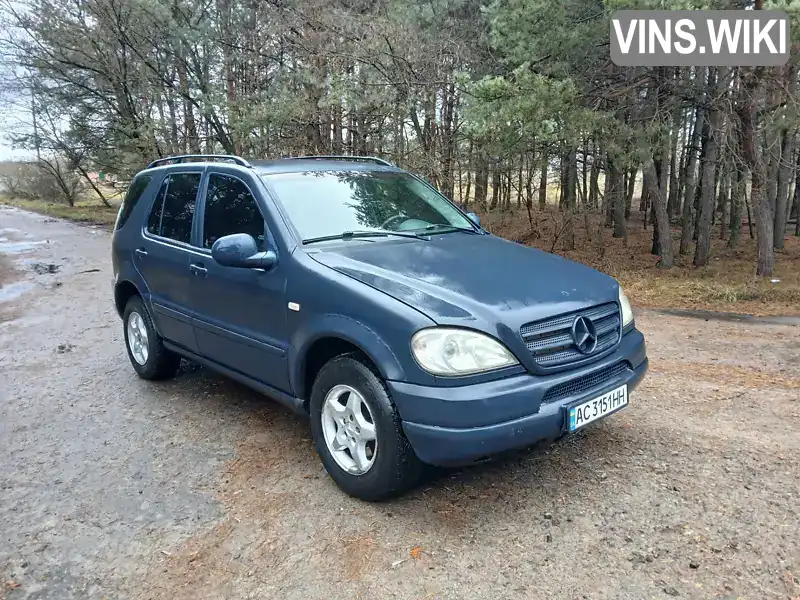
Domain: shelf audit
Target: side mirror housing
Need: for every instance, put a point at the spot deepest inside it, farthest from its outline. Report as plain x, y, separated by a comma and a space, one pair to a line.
240, 250
474, 218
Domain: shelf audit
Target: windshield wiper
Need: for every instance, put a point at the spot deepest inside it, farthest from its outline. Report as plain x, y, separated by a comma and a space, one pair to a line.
448, 229
363, 233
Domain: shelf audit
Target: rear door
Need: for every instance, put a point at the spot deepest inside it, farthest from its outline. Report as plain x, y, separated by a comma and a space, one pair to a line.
240, 313
164, 256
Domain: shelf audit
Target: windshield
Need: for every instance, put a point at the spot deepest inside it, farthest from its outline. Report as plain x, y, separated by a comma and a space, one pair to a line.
329, 203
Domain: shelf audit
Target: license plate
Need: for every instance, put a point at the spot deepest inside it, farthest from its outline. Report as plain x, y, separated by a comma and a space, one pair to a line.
591, 410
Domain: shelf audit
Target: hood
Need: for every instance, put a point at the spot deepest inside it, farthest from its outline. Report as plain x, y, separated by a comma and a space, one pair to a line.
478, 281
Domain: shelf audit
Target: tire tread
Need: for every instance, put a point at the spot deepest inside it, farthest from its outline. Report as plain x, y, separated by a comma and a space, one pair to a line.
395, 475
161, 363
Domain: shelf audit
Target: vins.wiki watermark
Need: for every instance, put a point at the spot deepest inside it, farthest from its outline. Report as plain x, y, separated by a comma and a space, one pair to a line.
659, 38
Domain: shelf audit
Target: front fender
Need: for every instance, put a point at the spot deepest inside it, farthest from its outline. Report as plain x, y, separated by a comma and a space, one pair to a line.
373, 345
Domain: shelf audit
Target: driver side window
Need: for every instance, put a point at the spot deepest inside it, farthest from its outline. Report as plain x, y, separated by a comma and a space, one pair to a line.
231, 208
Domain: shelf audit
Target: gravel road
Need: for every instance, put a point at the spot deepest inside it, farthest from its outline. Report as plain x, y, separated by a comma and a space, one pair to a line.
113, 487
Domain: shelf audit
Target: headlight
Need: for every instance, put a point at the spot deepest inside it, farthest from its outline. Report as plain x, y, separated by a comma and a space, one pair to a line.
450, 352
627, 311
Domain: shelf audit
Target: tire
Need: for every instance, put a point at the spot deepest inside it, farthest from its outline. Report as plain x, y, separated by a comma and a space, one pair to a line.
394, 468
158, 363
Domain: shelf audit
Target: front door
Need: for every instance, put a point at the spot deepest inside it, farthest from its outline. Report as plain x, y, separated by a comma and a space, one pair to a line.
240, 319
164, 254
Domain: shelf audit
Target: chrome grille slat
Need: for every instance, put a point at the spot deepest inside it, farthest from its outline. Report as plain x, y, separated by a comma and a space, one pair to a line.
606, 325
565, 321
550, 340
571, 355
543, 343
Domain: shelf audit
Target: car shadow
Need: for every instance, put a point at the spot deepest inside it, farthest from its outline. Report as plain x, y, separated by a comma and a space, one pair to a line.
543, 475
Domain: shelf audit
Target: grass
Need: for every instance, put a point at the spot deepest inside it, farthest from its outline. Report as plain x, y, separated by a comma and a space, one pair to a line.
87, 211
728, 292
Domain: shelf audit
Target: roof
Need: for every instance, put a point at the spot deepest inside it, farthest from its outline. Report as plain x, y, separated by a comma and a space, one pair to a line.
297, 165
282, 165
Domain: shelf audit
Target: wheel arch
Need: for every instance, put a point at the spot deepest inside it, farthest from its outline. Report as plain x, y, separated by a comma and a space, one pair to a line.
124, 291
312, 347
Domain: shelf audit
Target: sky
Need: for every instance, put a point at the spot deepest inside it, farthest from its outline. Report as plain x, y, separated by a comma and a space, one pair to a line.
14, 113
12, 118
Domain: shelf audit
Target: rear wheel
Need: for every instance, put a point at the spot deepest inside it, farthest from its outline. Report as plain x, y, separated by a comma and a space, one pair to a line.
358, 433
146, 351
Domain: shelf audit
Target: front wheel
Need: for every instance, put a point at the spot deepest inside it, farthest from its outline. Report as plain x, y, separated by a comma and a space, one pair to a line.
358, 433
146, 351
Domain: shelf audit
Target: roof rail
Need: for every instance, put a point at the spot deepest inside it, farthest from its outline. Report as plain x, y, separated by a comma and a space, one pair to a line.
371, 159
185, 157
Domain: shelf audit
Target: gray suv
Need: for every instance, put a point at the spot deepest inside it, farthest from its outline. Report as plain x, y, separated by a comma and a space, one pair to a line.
353, 292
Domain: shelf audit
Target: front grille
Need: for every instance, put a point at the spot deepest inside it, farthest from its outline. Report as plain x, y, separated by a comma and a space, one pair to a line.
586, 382
550, 340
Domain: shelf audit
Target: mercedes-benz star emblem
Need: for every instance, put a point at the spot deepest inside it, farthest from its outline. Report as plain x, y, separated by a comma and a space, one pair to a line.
584, 335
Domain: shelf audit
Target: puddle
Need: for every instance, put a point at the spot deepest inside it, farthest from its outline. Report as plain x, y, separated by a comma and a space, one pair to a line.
13, 291
7, 247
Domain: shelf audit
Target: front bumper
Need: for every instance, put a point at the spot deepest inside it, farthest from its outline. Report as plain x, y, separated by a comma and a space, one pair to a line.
459, 425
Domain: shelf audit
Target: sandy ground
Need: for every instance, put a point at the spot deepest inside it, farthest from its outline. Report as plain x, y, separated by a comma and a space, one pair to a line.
113, 487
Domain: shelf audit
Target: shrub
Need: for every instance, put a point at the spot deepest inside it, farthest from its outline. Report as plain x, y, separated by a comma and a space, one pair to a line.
52, 180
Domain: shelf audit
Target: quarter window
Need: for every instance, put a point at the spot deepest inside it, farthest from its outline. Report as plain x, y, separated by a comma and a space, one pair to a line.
173, 210
230, 208
135, 192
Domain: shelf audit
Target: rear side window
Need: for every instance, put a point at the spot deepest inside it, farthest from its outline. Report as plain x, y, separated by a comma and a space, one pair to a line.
173, 210
230, 208
138, 186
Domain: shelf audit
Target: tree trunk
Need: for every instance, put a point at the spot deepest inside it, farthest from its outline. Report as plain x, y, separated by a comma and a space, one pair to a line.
713, 142
508, 190
698, 188
224, 10
673, 171
689, 177
737, 202
190, 128
570, 199
481, 181
629, 191
797, 197
543, 183
585, 176
608, 195
594, 176
659, 199
173, 122
617, 199
782, 198
497, 185
529, 183
663, 179
683, 134
723, 206
765, 253
448, 140
468, 189
463, 192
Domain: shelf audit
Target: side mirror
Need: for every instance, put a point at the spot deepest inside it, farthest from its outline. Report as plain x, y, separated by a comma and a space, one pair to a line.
240, 250
474, 218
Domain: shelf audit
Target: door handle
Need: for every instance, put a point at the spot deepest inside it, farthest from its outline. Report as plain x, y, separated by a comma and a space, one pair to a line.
198, 269
141, 252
